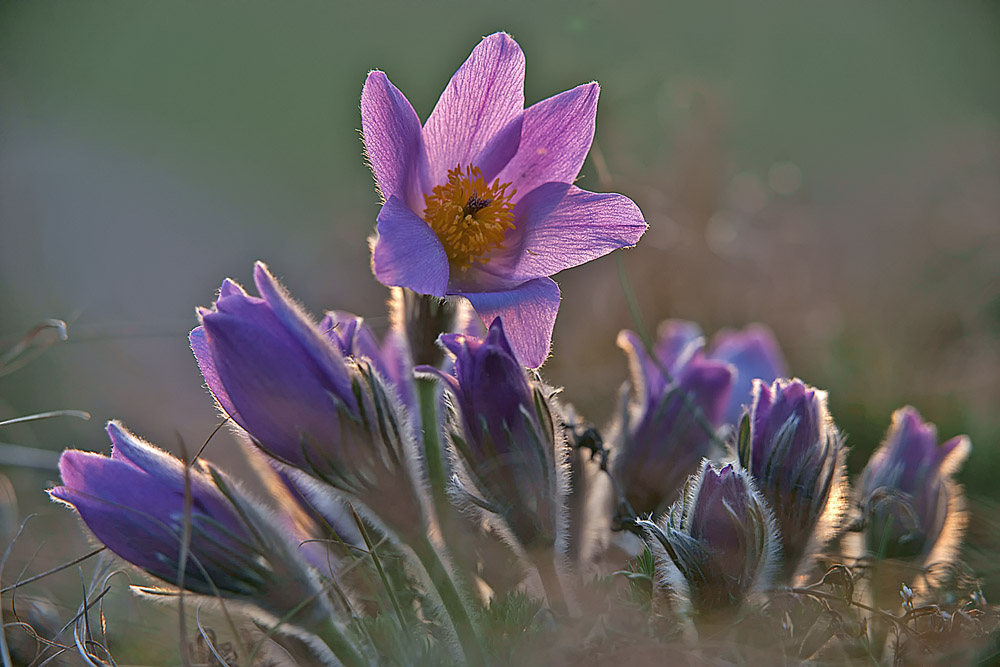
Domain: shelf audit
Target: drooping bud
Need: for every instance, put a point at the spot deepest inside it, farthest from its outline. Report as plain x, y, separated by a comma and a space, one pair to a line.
912, 509
141, 503
793, 450
672, 408
286, 382
718, 543
505, 437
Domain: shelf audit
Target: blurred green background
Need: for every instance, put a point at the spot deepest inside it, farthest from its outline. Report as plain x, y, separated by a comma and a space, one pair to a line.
831, 169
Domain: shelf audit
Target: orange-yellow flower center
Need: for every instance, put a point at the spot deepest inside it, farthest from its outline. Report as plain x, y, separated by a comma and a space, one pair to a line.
469, 216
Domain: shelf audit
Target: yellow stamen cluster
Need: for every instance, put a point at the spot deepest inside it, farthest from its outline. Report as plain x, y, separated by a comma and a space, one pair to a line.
469, 217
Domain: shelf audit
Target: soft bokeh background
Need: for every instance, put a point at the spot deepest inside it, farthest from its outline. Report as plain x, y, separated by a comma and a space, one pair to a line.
832, 169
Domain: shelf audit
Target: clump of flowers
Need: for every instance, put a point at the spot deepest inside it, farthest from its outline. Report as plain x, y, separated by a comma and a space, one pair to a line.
392, 463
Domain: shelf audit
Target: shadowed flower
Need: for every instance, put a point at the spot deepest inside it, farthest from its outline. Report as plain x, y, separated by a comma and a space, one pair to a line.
790, 445
677, 400
720, 539
913, 510
505, 436
479, 201
285, 381
134, 502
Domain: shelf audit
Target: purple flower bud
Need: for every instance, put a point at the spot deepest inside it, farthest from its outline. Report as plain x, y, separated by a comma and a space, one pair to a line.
790, 445
391, 359
719, 537
134, 502
668, 424
273, 371
755, 355
286, 382
913, 509
506, 436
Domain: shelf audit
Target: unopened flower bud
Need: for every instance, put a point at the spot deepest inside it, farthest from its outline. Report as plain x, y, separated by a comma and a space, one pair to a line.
793, 450
719, 537
141, 503
912, 508
391, 358
285, 381
505, 436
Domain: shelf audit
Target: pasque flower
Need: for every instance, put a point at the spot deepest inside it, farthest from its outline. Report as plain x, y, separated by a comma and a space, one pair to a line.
135, 503
480, 201
505, 436
912, 507
789, 443
674, 402
719, 537
285, 381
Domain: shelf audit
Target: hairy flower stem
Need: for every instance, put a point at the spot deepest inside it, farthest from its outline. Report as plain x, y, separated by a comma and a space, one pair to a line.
452, 600
544, 562
340, 645
427, 393
424, 318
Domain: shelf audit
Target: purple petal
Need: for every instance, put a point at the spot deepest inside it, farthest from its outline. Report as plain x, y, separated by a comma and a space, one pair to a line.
529, 315
755, 354
350, 333
130, 449
677, 341
394, 142
502, 147
408, 252
483, 96
647, 380
305, 331
203, 355
554, 141
709, 384
558, 226
283, 393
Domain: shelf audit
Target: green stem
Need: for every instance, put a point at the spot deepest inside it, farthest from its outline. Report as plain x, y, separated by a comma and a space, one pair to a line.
427, 391
545, 564
340, 645
451, 599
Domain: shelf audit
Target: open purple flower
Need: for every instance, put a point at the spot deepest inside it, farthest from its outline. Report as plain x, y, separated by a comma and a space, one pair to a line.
134, 503
790, 445
677, 401
479, 201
